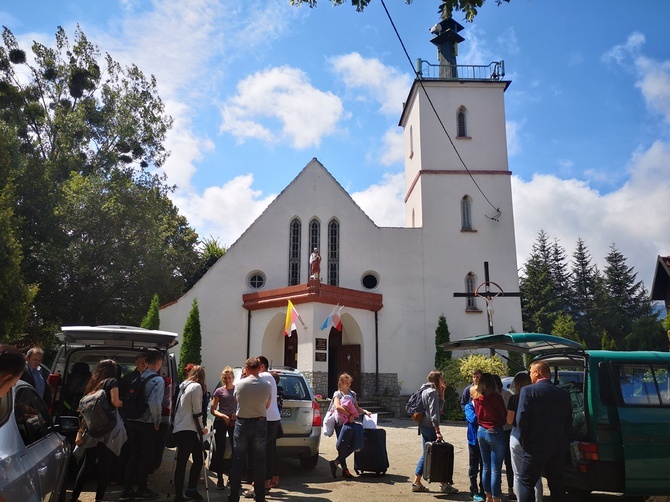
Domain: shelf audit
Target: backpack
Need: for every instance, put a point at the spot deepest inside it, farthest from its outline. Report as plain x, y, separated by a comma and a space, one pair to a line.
98, 412
134, 400
415, 406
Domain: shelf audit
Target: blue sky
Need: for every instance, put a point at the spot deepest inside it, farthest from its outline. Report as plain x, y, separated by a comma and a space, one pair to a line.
258, 87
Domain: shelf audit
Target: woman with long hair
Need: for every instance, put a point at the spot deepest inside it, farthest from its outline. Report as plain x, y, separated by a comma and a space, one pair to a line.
432, 396
521, 379
345, 438
104, 377
491, 416
223, 409
188, 432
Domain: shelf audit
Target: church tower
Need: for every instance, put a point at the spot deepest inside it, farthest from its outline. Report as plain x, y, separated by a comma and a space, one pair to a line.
458, 184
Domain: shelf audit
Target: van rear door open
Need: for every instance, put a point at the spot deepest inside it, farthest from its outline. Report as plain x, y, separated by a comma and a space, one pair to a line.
644, 417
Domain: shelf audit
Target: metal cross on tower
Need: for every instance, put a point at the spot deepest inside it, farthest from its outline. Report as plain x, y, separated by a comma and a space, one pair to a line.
488, 295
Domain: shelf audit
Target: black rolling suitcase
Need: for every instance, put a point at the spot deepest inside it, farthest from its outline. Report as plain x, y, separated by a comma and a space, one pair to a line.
438, 464
373, 456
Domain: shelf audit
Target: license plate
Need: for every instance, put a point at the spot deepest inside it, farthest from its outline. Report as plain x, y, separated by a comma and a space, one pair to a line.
285, 412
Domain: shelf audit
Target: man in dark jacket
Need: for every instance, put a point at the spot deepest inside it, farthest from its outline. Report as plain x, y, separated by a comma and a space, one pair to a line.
544, 419
36, 375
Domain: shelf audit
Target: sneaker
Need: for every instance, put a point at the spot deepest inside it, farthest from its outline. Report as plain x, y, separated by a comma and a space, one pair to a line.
333, 468
347, 474
193, 494
511, 497
146, 494
447, 488
419, 488
478, 498
249, 494
127, 495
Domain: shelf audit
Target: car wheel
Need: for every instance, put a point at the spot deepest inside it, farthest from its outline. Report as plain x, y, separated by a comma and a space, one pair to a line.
309, 462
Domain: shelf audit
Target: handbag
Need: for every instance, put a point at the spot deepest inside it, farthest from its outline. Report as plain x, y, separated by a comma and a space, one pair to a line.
170, 441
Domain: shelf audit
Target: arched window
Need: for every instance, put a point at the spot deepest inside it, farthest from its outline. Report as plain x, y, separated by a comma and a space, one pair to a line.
294, 253
333, 253
470, 285
461, 124
314, 240
466, 213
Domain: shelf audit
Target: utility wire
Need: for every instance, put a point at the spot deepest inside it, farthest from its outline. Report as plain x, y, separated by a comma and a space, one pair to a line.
418, 78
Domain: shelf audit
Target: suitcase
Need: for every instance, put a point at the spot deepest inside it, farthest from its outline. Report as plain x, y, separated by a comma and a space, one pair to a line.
373, 456
438, 463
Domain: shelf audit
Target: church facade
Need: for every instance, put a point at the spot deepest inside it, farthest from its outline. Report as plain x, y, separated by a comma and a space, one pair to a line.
392, 284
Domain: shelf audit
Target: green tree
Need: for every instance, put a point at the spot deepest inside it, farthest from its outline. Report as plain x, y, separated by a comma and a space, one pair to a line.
210, 252
565, 327
446, 8
647, 334
607, 342
441, 337
152, 319
583, 294
191, 340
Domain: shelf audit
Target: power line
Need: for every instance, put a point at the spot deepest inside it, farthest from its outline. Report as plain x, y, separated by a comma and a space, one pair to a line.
409, 59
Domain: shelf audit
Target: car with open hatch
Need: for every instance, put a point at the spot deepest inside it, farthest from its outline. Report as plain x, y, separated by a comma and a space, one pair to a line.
620, 410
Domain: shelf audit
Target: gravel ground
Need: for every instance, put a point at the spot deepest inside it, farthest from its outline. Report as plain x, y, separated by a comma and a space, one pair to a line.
404, 449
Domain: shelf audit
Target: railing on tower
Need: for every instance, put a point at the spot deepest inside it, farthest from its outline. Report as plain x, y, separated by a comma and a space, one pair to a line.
492, 71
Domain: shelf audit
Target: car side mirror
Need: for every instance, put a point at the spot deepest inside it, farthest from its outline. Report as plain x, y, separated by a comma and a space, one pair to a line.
68, 425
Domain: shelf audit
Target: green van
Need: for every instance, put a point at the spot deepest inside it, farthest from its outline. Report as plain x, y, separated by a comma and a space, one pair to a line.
621, 412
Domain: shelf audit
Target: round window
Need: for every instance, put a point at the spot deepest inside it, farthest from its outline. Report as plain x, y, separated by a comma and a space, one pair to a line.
370, 281
256, 280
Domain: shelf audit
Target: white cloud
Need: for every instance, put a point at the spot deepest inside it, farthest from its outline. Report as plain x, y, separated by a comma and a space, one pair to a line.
383, 202
393, 147
383, 84
224, 212
280, 104
629, 217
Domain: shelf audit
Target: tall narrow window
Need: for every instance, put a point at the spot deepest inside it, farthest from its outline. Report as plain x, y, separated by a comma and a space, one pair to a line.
333, 253
471, 302
466, 213
314, 241
460, 119
294, 253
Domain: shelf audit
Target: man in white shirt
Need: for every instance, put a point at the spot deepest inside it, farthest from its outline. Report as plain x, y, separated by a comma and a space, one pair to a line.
274, 422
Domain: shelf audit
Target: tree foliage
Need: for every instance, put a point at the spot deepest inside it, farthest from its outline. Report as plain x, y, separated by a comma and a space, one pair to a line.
152, 319
99, 235
191, 340
599, 310
441, 337
446, 7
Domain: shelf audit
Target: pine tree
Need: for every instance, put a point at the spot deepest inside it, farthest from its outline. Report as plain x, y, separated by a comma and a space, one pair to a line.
583, 286
441, 336
152, 319
191, 343
565, 328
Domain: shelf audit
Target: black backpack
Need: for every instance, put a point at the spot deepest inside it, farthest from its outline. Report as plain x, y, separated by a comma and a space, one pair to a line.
134, 400
98, 412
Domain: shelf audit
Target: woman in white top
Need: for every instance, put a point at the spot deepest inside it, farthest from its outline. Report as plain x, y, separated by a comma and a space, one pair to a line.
188, 433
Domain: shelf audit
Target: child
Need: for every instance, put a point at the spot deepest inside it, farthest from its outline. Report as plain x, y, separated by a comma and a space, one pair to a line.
347, 403
475, 457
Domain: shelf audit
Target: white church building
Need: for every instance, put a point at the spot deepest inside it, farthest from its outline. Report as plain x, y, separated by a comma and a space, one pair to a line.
392, 283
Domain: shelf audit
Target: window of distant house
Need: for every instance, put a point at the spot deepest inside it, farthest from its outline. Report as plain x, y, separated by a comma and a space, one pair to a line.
294, 253
462, 131
314, 241
466, 213
470, 285
333, 253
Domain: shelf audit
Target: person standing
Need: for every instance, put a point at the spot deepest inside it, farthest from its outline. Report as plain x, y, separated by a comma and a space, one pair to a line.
253, 396
274, 422
223, 410
544, 419
432, 395
465, 396
521, 379
101, 453
491, 416
507, 428
36, 375
188, 431
143, 433
475, 467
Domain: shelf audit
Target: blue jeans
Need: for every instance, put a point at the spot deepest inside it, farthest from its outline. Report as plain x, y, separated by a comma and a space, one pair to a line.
249, 439
427, 435
492, 447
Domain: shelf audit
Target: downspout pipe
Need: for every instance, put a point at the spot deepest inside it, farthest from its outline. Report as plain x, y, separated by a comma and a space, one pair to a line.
248, 333
376, 353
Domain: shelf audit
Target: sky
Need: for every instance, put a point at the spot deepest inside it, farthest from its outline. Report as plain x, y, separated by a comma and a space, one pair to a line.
257, 88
